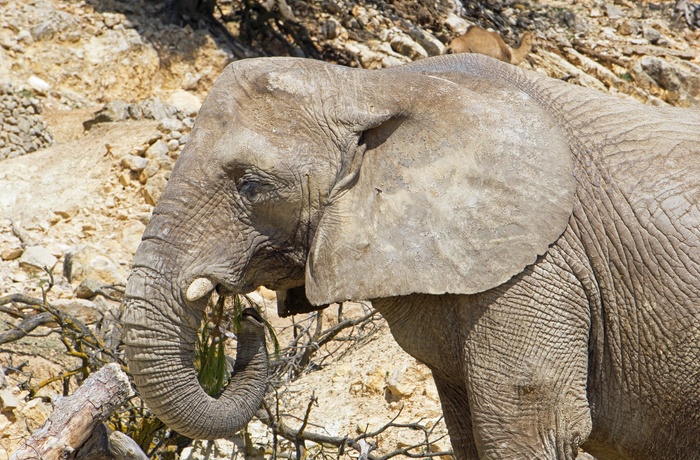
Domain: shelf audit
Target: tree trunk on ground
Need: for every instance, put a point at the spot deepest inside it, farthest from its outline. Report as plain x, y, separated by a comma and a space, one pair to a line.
75, 417
105, 444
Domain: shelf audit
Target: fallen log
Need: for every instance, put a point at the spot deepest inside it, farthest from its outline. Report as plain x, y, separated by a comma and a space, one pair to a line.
75, 417
105, 444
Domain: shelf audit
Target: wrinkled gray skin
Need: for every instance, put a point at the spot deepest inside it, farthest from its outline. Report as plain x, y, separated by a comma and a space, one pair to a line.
536, 244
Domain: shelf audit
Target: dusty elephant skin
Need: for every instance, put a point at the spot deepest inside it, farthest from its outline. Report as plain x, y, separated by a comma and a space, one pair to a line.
534, 243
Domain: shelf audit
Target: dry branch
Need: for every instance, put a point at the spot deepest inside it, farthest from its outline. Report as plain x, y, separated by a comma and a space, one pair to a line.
75, 417
26, 326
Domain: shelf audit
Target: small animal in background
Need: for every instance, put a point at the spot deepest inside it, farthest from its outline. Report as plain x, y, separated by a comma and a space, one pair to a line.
481, 41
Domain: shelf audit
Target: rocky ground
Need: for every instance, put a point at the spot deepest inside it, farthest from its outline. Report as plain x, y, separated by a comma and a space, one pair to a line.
97, 99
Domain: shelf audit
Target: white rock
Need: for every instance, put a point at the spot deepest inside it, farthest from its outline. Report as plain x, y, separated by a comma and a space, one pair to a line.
398, 384
456, 24
430, 43
8, 401
89, 262
35, 413
406, 46
219, 449
173, 144
154, 188
38, 84
185, 102
171, 124
83, 309
158, 150
35, 258
134, 163
131, 235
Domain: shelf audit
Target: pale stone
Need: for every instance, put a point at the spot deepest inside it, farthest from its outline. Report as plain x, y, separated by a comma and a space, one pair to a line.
651, 34
267, 294
171, 124
124, 178
81, 308
219, 449
150, 171
398, 386
430, 44
35, 413
185, 102
158, 150
154, 188
38, 84
8, 401
131, 235
456, 24
173, 144
67, 212
89, 262
134, 163
406, 46
35, 258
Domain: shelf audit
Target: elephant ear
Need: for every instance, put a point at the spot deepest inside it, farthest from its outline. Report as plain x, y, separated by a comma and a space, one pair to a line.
457, 192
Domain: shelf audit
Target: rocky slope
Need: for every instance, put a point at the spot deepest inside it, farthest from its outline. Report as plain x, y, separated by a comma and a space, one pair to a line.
96, 102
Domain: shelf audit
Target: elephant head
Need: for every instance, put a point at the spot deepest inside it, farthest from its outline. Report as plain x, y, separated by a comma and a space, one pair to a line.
348, 184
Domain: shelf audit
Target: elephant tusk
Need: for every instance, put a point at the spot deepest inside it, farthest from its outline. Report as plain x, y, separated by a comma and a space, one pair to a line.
199, 288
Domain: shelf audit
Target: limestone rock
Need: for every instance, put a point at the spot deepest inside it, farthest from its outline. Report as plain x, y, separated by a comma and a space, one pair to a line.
185, 102
131, 235
456, 24
112, 111
629, 27
154, 109
651, 34
219, 449
171, 124
38, 84
406, 46
35, 413
134, 163
11, 253
151, 169
430, 44
88, 262
154, 188
8, 401
398, 384
158, 150
22, 129
35, 258
81, 308
613, 11
87, 288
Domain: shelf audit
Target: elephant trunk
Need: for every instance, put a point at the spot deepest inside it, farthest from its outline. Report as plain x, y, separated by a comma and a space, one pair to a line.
161, 332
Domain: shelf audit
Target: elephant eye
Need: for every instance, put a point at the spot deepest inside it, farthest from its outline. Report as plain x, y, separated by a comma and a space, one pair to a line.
253, 190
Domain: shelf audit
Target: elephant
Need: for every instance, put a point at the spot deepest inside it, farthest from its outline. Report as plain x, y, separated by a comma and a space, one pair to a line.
536, 244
